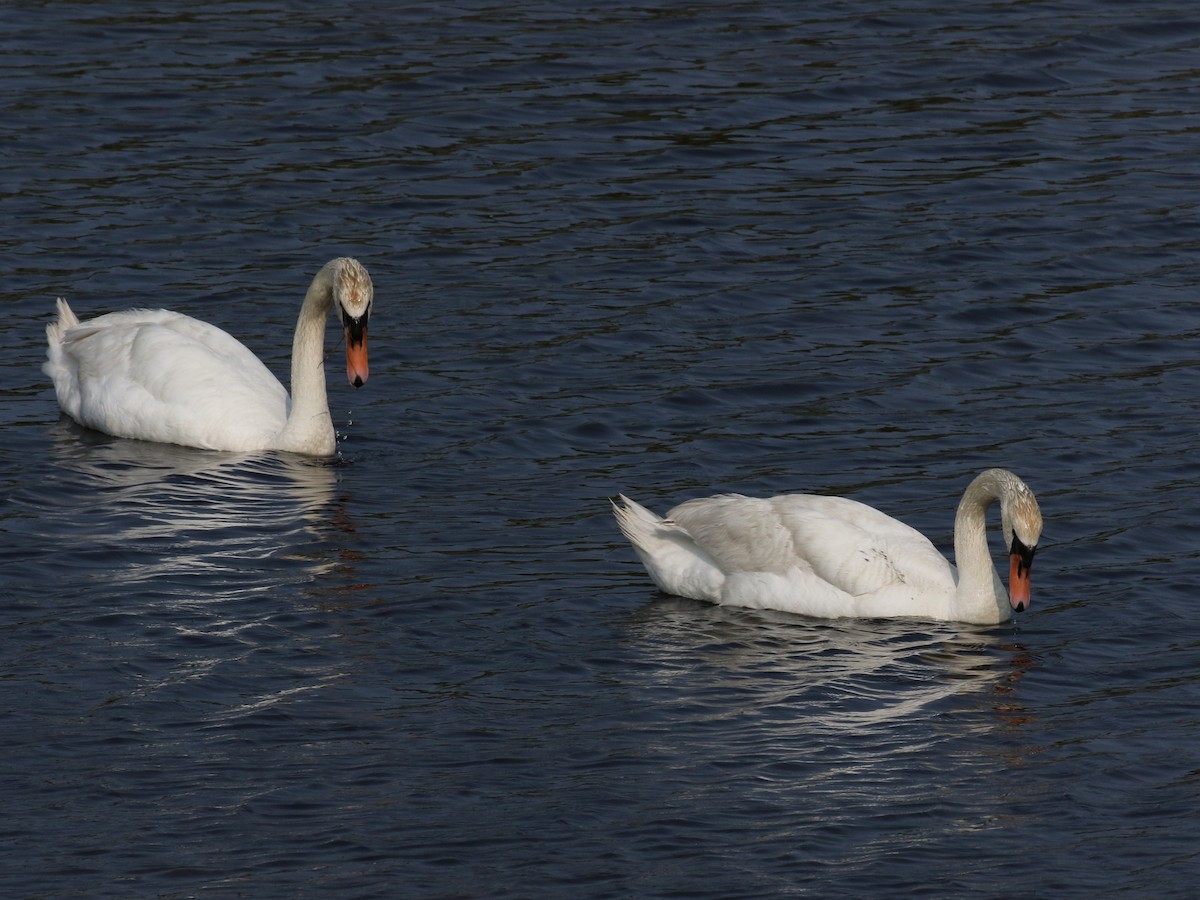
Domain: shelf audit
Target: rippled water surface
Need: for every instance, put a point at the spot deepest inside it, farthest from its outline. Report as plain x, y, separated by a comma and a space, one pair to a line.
666, 249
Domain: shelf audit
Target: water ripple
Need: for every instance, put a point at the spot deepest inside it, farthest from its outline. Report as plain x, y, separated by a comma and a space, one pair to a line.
862, 248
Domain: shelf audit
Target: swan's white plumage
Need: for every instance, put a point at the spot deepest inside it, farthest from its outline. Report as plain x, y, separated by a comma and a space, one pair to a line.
162, 376
828, 556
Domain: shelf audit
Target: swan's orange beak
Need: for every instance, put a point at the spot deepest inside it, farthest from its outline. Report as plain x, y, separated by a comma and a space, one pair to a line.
1019, 581
356, 352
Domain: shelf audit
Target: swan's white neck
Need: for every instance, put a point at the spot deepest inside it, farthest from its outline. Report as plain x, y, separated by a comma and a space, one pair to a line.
981, 595
309, 426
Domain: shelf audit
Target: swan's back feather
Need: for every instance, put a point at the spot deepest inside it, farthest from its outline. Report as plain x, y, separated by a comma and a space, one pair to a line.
848, 546
815, 555
109, 374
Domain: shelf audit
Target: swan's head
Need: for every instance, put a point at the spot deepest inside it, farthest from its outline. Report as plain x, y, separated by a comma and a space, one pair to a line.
1021, 518
352, 294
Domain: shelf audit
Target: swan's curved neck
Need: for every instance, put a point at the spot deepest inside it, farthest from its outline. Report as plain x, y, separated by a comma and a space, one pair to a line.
981, 594
309, 426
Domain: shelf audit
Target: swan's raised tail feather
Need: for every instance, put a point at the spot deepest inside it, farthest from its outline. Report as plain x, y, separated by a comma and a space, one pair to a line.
66, 321
675, 562
635, 521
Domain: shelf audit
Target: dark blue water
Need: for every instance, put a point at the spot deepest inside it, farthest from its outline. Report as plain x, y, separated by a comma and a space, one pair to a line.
666, 249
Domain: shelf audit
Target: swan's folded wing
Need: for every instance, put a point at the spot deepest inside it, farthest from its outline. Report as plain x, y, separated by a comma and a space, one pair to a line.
740, 534
159, 375
860, 550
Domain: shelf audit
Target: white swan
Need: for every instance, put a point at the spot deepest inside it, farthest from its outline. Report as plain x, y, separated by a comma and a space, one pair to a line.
162, 376
832, 557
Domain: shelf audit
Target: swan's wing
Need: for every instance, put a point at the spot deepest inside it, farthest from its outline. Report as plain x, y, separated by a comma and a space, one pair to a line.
831, 555
162, 376
862, 550
740, 534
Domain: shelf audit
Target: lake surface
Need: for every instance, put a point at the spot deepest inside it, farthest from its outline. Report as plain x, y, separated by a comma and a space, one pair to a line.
666, 249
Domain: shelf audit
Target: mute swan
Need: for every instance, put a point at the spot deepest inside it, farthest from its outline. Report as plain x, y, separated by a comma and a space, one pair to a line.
832, 557
162, 376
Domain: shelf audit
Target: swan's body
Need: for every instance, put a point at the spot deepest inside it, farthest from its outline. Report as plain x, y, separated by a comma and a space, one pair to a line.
832, 557
162, 376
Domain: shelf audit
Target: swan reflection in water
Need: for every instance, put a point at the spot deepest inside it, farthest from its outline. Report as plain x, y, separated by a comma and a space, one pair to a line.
173, 519
847, 678
841, 735
184, 582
